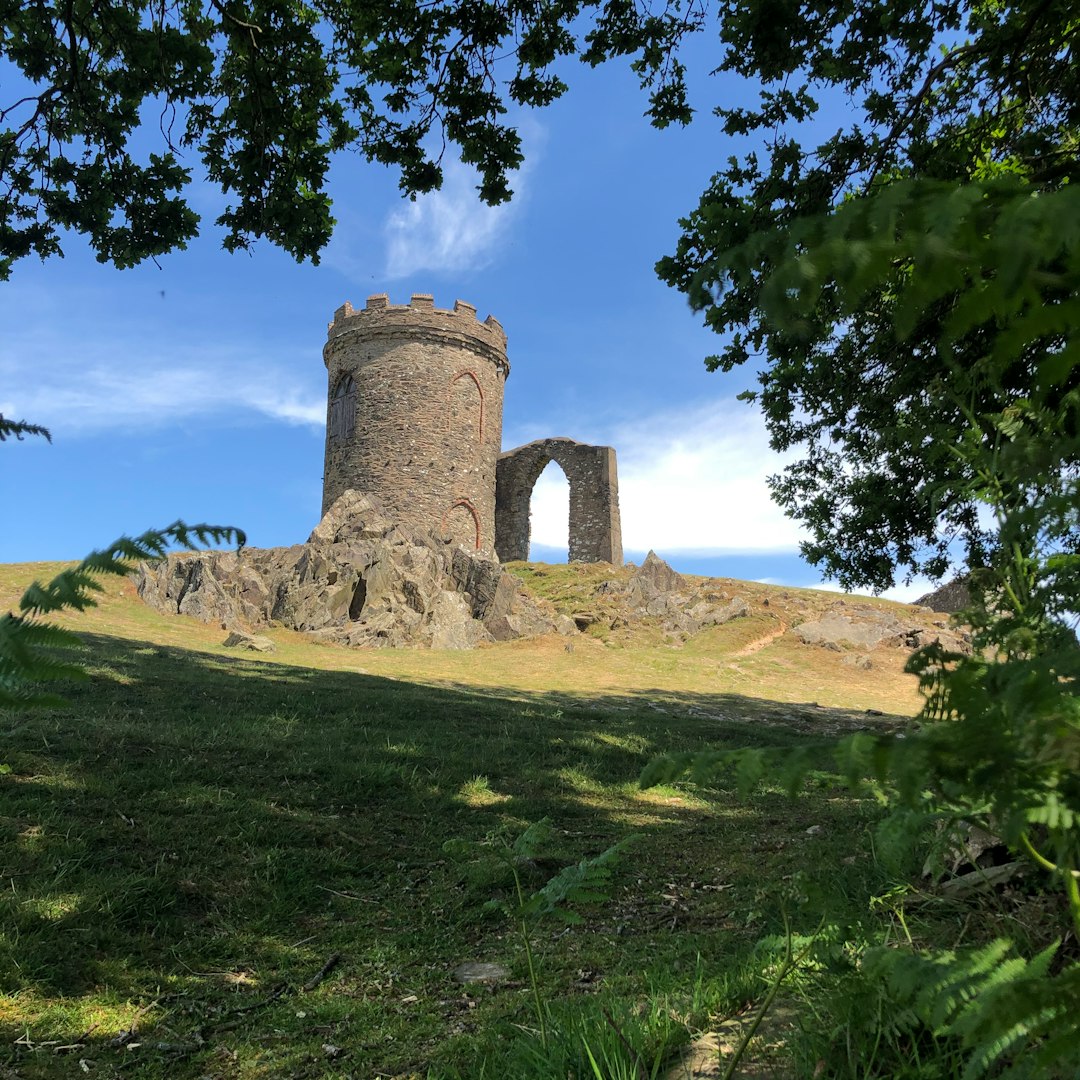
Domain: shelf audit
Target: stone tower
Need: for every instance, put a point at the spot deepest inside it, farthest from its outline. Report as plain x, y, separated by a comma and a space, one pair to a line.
415, 414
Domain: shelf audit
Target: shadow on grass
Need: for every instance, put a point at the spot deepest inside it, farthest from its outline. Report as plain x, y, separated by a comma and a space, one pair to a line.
200, 831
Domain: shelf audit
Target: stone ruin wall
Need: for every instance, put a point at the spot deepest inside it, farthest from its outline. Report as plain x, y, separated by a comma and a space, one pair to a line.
420, 423
595, 525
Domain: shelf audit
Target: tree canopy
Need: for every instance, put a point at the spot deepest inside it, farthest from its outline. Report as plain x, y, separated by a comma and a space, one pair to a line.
870, 273
848, 263
110, 99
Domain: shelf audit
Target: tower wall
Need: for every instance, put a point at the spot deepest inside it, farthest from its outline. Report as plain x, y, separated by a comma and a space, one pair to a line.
420, 424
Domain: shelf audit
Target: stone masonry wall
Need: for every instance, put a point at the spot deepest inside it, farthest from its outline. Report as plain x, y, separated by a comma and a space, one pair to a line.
595, 526
415, 402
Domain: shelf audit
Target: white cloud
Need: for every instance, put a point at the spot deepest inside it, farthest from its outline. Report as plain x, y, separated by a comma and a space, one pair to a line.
446, 230
691, 481
84, 390
451, 230
909, 593
902, 594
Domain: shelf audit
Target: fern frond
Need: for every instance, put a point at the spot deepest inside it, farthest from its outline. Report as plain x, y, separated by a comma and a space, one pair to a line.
670, 767
19, 429
532, 841
747, 765
585, 882
1004, 1008
71, 588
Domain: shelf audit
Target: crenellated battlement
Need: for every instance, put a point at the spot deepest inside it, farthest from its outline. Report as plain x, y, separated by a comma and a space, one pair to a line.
420, 317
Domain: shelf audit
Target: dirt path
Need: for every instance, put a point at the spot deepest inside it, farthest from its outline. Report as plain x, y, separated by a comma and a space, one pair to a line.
759, 643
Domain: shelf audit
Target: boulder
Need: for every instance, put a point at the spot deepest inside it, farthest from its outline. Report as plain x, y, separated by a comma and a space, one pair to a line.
736, 608
252, 642
359, 580
864, 628
834, 631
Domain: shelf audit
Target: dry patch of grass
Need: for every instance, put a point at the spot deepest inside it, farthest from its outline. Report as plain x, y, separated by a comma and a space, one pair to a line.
720, 660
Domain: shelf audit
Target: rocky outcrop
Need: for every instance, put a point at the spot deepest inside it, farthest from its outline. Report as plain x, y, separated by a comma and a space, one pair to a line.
652, 579
654, 591
359, 580
949, 598
863, 627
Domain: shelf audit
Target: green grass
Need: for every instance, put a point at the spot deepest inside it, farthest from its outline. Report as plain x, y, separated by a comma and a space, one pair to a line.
197, 835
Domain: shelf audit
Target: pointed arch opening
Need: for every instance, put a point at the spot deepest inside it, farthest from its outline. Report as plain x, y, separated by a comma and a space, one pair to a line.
595, 533
461, 524
549, 515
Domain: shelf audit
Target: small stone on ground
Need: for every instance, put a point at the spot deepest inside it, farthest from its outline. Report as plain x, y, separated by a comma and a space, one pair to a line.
481, 973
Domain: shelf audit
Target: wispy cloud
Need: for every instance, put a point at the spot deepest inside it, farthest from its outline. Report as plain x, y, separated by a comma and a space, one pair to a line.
691, 480
451, 230
447, 230
86, 390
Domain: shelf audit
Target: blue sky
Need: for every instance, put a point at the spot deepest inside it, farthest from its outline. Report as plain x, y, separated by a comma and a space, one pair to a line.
196, 388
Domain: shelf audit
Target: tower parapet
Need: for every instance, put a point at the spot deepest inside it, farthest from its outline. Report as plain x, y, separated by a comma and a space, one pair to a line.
415, 413
420, 318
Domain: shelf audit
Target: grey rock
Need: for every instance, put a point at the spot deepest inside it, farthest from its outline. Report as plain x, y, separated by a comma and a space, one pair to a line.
658, 605
850, 625
359, 580
354, 516
859, 660
481, 973
453, 624
736, 608
948, 598
252, 642
679, 622
584, 619
652, 579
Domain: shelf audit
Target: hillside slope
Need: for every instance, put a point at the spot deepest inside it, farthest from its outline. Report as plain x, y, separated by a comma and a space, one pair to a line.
619, 653
223, 865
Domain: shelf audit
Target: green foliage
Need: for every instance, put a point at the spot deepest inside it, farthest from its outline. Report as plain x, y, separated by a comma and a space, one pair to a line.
1000, 737
998, 744
584, 882
265, 92
19, 429
590, 1038
748, 766
872, 274
27, 643
1014, 1017
913, 288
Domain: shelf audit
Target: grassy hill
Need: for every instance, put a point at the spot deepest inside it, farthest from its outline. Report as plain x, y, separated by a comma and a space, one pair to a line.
218, 866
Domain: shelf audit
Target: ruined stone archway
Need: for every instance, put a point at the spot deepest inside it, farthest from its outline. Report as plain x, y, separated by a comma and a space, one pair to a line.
595, 528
